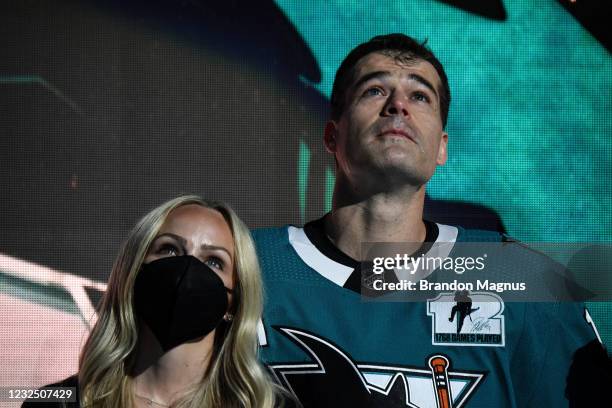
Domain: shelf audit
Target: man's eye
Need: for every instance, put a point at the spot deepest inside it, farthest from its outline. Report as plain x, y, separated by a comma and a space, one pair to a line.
215, 263
375, 91
421, 97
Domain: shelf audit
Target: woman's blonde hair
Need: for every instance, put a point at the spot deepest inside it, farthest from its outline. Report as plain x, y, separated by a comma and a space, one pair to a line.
234, 377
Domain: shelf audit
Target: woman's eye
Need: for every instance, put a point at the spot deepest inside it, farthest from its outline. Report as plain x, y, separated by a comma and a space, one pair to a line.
168, 249
375, 91
214, 262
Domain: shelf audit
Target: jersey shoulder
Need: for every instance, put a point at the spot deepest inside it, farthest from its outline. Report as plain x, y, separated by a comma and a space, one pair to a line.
270, 239
508, 244
477, 235
277, 257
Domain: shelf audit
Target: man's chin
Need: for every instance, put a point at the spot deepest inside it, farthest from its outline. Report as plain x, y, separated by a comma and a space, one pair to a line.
399, 172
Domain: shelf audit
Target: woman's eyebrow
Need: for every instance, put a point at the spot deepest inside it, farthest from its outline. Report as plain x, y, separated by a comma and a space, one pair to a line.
180, 239
215, 247
183, 242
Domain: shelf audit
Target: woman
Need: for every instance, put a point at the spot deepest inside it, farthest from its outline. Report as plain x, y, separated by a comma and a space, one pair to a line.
177, 324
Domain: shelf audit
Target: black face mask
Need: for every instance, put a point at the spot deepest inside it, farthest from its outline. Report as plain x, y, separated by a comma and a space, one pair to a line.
180, 299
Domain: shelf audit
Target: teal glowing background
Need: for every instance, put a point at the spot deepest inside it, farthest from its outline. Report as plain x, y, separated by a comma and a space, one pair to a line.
109, 107
529, 125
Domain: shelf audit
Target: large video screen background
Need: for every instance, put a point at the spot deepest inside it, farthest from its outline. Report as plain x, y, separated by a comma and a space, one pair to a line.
108, 109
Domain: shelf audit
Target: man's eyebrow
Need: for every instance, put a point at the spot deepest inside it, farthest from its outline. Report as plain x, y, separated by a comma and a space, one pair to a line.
424, 82
382, 74
371, 75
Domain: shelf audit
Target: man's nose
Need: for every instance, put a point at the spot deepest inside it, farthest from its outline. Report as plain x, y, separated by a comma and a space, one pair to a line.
396, 105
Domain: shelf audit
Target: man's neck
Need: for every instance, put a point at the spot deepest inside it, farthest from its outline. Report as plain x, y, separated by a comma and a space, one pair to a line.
381, 217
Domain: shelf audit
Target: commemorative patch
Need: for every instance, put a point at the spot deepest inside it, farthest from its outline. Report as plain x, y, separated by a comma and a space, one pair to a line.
467, 319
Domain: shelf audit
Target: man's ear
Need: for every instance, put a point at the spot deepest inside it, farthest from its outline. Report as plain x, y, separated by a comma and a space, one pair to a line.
329, 137
442, 150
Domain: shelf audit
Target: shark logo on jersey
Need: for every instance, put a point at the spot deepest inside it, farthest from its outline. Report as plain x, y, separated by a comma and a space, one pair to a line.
464, 319
333, 379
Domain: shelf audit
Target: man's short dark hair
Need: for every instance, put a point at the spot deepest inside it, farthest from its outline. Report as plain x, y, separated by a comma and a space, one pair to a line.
399, 46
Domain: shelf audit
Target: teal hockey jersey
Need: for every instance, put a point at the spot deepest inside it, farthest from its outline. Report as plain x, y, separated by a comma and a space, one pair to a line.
329, 347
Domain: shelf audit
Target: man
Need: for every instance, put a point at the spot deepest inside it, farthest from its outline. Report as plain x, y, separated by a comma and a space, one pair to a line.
331, 347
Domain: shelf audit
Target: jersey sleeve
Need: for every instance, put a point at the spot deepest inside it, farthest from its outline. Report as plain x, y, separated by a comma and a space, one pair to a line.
553, 335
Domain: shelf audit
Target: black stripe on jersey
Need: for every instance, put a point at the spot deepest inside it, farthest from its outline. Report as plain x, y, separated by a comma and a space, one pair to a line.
315, 231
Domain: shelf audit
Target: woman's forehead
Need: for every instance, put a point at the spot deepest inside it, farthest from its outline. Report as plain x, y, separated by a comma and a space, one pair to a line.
199, 225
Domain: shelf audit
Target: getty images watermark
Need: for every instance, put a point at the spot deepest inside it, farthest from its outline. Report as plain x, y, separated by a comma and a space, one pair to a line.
514, 271
458, 265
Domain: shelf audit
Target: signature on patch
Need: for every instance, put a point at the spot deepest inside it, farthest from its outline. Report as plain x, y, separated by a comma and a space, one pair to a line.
480, 324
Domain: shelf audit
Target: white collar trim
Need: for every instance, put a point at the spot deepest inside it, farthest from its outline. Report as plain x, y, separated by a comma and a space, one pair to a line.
339, 273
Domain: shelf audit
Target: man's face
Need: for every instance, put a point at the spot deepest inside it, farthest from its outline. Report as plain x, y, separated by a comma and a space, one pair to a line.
391, 125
